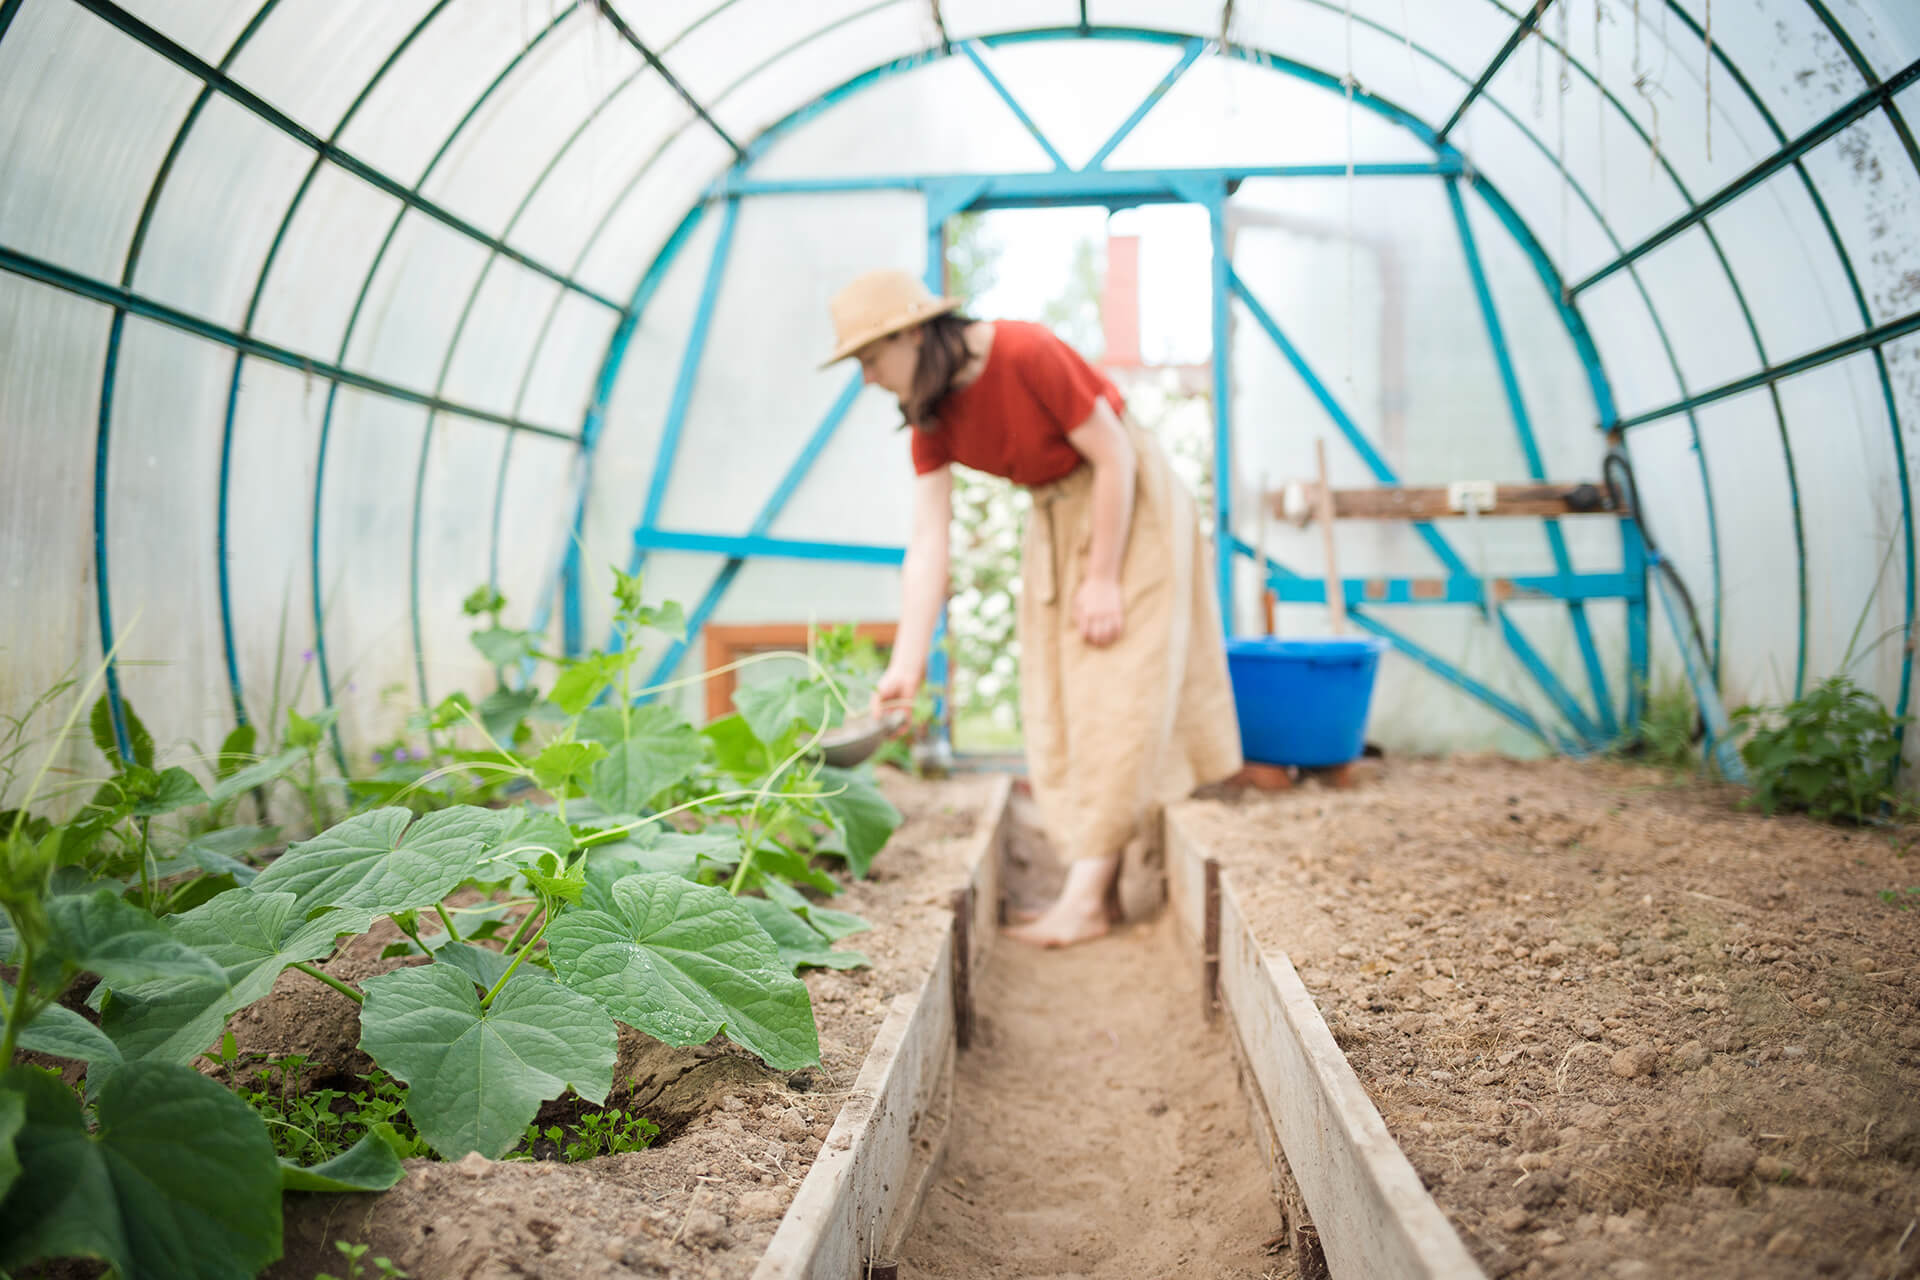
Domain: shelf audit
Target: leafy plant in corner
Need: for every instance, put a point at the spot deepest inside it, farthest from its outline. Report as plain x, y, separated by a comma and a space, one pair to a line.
1830, 753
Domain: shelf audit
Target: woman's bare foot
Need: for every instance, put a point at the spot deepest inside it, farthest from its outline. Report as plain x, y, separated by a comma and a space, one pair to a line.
1081, 913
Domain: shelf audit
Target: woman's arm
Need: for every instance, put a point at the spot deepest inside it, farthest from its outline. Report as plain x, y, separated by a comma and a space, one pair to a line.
923, 587
1098, 605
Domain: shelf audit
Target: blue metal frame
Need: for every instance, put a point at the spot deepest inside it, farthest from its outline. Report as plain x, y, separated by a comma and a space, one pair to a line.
953, 192
1871, 340
972, 51
1536, 468
1152, 100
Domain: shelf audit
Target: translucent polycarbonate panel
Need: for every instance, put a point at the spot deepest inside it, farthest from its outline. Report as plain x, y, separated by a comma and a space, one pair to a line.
659, 23
1695, 300
492, 163
1201, 17
1887, 31
163, 470
633, 231
860, 488
743, 433
276, 435
564, 363
1079, 92
595, 169
1786, 54
1401, 348
1607, 160
1787, 266
1673, 502
1759, 559
742, 36
1662, 87
455, 515
968, 18
1548, 628
207, 27
1632, 345
328, 250
348, 39
1850, 506
941, 118
218, 213
86, 116
496, 337
1873, 193
530, 534
52, 351
415, 302
1420, 57
755, 97
823, 594
630, 434
423, 96
1555, 383
1224, 112
1521, 167
365, 533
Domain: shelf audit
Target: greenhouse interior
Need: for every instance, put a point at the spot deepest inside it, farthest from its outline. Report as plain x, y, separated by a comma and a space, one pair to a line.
522, 756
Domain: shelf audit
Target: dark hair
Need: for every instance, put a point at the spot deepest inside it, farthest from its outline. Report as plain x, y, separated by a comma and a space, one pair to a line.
943, 354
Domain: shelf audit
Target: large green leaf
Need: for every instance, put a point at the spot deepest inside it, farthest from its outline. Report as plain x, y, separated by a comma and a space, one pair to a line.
138, 739
13, 1115
180, 1181
734, 747
59, 1031
257, 774
477, 1077
660, 751
102, 934
370, 1164
799, 943
483, 965
506, 647
770, 709
585, 679
251, 936
165, 792
831, 925
502, 711
682, 961
378, 862
864, 817
673, 854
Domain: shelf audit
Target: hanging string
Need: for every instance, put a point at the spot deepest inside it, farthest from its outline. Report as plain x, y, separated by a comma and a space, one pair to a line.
1709, 30
1566, 84
1539, 67
1599, 114
1636, 37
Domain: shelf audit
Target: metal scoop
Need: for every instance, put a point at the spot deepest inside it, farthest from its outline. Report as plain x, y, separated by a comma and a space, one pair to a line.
857, 739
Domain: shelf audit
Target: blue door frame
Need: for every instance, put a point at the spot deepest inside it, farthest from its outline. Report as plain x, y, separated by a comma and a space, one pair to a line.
1586, 727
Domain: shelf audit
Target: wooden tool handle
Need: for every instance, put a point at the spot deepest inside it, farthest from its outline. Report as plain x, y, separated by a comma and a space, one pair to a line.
1323, 502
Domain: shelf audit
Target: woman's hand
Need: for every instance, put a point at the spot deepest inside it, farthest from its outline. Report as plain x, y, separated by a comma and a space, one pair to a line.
895, 689
1099, 611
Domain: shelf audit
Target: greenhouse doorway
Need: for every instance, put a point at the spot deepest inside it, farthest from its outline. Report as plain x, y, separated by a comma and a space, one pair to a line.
1129, 289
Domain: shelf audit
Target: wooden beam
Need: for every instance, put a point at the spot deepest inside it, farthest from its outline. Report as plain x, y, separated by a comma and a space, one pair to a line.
1430, 502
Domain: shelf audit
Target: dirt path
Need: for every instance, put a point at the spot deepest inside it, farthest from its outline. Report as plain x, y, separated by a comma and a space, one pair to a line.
1099, 1129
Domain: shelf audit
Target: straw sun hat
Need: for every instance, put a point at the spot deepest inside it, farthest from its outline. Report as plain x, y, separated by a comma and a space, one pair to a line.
877, 304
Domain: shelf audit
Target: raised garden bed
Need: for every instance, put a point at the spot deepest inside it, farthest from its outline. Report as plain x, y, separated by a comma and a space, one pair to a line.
738, 1138
1618, 1026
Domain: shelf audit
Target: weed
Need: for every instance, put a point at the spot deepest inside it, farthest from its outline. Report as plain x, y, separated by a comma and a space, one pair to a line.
1897, 898
1669, 728
353, 1253
597, 1133
1830, 753
312, 1126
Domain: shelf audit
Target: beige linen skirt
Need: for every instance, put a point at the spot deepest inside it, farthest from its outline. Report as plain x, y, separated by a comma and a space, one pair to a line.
1114, 733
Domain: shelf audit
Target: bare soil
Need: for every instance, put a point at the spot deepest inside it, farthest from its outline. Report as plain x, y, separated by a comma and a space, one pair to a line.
1621, 1027
737, 1137
1098, 1128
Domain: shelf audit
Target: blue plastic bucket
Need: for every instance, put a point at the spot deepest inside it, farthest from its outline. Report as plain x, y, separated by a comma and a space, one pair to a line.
1303, 702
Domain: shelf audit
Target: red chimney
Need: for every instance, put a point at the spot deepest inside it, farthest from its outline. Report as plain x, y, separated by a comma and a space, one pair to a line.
1120, 303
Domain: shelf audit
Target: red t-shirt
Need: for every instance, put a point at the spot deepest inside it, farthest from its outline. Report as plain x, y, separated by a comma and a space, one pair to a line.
1013, 419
